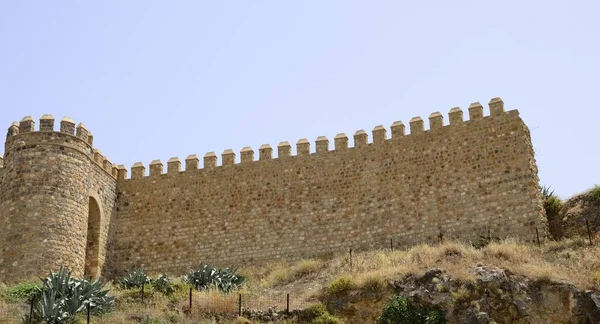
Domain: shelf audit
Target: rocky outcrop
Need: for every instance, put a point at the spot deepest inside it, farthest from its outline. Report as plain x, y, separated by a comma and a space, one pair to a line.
574, 214
495, 296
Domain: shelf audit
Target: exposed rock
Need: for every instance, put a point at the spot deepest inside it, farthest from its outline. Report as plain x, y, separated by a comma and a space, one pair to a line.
495, 296
575, 212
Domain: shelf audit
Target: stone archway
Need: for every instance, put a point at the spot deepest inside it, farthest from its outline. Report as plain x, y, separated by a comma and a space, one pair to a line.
92, 247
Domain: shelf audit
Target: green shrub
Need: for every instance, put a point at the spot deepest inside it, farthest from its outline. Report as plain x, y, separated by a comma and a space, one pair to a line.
595, 193
23, 291
62, 297
207, 276
546, 192
373, 285
135, 278
399, 310
341, 284
553, 205
163, 285
327, 319
310, 313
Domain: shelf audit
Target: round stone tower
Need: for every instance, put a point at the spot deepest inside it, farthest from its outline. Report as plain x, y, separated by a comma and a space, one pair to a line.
57, 196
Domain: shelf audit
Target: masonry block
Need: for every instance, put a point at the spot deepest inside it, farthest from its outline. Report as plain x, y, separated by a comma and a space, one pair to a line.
265, 152
47, 123
475, 111
379, 135
322, 144
284, 150
228, 157
417, 125
173, 165
303, 147
107, 164
210, 159
361, 138
13, 130
98, 157
156, 168
138, 170
90, 139
114, 170
192, 162
247, 154
82, 132
496, 106
27, 124
121, 172
341, 142
456, 116
436, 121
398, 129
67, 125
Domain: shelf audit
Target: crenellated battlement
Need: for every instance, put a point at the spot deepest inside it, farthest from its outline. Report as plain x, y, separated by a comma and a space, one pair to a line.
26, 127
379, 136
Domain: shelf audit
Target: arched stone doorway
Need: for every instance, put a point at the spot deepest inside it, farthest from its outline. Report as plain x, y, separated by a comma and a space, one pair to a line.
92, 250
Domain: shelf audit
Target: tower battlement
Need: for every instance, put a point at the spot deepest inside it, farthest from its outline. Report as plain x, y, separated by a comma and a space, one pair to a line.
458, 175
47, 135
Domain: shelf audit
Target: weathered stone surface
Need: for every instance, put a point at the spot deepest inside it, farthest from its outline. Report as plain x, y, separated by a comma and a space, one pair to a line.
571, 221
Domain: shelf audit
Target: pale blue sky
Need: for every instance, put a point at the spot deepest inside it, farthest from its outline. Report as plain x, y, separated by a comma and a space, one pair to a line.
154, 80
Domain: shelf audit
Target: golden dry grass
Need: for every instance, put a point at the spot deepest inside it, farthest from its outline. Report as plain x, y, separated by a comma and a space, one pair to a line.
267, 285
568, 260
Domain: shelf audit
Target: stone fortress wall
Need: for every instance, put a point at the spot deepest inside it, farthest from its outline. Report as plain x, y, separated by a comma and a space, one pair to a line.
459, 180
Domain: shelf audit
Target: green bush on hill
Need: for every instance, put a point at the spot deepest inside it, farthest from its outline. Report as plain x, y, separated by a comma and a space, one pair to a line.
24, 291
552, 204
399, 310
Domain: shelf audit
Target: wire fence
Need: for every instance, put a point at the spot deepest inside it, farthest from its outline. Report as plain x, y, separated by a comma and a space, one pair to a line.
241, 304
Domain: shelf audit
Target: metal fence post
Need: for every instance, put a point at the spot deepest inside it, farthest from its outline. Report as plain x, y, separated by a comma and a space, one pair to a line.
31, 310
587, 224
287, 309
240, 304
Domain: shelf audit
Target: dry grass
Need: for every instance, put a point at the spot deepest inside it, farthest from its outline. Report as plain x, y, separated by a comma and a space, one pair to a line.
287, 272
10, 312
569, 260
267, 285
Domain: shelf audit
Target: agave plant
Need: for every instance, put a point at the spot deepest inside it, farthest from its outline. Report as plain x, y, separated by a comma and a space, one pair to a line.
63, 297
207, 276
135, 278
546, 192
163, 284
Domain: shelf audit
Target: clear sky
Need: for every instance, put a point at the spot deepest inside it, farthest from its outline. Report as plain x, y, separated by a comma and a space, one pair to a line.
159, 79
